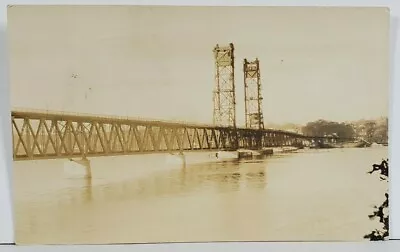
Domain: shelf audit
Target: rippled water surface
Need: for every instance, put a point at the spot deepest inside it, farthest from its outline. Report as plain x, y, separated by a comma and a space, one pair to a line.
309, 195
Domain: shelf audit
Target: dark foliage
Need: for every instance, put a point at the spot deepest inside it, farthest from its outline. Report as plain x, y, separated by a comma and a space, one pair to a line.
380, 235
322, 128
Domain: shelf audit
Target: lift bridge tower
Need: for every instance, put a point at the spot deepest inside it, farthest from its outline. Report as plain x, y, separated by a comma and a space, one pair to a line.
224, 92
252, 94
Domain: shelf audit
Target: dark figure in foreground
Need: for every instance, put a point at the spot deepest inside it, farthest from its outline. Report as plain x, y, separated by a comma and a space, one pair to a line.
380, 235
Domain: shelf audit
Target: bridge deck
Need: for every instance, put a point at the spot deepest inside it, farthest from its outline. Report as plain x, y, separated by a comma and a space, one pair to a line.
38, 135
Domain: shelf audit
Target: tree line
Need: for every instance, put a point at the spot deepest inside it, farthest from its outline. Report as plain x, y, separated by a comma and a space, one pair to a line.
369, 130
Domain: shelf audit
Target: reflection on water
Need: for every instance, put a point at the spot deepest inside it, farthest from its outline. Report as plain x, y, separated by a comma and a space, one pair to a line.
310, 195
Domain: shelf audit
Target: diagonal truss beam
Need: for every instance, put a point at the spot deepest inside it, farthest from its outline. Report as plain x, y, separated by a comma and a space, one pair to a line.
53, 135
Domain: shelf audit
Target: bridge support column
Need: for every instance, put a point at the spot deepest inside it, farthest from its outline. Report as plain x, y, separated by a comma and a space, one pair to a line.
180, 155
183, 157
84, 163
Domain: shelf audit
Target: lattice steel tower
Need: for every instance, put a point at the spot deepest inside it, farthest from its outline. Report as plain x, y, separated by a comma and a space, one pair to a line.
224, 92
252, 95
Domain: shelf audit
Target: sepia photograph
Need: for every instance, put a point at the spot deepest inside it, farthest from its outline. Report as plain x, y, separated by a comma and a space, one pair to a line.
160, 124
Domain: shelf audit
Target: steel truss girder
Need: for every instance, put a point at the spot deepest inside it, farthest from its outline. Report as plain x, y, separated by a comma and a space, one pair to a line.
52, 135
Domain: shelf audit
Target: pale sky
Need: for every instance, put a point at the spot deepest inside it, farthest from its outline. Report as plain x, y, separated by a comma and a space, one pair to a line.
157, 62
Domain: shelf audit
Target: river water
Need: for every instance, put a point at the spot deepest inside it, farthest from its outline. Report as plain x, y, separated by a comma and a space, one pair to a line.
310, 195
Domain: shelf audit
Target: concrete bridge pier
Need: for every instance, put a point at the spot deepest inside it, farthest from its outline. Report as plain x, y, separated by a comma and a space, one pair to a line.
181, 156
85, 164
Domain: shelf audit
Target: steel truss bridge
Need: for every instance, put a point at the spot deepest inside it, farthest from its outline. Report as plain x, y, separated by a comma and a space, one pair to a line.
39, 135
